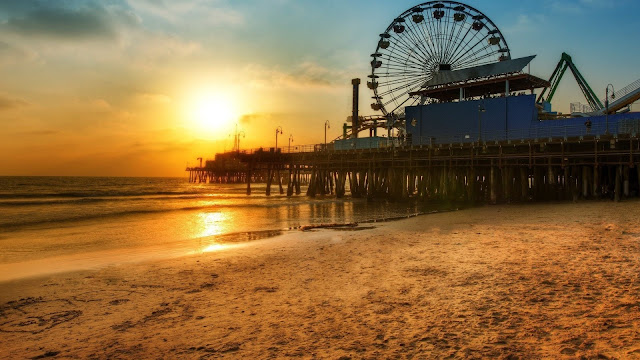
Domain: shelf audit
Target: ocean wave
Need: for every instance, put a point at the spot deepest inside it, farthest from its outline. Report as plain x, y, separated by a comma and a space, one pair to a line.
19, 223
94, 194
89, 200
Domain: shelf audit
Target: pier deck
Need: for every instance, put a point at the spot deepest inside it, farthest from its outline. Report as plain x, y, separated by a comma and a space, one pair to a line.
495, 171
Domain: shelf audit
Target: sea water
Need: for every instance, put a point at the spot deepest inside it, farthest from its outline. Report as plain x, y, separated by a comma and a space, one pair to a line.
67, 223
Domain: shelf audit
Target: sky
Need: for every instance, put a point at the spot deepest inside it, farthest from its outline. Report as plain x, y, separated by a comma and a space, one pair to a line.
144, 87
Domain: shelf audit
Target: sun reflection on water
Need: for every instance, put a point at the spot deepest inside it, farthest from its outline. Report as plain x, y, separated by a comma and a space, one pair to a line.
215, 247
212, 223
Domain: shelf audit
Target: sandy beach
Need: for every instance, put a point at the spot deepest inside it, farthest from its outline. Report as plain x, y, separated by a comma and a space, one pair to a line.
510, 281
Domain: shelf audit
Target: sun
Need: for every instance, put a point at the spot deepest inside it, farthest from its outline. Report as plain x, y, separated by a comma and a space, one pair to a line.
213, 112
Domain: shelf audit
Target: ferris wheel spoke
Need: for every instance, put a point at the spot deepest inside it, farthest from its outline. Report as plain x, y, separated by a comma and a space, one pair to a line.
397, 89
471, 48
455, 30
402, 81
471, 57
454, 42
392, 87
443, 26
426, 35
432, 31
406, 92
468, 43
409, 60
445, 23
460, 42
404, 56
408, 46
477, 60
424, 50
406, 51
401, 67
394, 76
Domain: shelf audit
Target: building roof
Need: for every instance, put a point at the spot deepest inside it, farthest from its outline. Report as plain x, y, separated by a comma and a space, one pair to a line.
481, 71
483, 87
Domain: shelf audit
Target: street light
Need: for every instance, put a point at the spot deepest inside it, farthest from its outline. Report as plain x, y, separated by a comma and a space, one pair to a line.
278, 130
481, 109
290, 141
326, 125
606, 105
236, 139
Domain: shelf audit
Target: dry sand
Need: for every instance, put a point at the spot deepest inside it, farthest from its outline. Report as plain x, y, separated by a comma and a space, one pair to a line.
514, 281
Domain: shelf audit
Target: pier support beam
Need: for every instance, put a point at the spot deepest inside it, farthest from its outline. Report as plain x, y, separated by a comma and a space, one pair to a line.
524, 184
249, 180
596, 182
493, 184
617, 187
585, 182
625, 182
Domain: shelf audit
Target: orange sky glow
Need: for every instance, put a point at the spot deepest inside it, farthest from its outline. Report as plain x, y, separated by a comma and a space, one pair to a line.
144, 87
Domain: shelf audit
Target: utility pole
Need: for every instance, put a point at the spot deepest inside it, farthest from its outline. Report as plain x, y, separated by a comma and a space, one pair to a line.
606, 106
278, 130
326, 125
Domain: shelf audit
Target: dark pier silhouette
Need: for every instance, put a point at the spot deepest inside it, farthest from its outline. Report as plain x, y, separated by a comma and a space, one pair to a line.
498, 171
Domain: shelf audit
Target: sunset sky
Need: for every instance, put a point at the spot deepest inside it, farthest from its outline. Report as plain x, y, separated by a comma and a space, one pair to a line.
142, 87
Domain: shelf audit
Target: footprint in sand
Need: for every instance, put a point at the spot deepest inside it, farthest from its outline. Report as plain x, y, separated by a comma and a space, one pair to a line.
35, 315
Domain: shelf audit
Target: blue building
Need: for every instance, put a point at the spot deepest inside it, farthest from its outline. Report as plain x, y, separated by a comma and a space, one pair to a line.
496, 102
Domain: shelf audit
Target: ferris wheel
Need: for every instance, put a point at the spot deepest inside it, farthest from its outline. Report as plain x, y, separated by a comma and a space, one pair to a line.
424, 40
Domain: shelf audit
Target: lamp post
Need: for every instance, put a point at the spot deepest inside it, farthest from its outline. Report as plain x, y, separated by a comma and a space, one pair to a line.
326, 125
606, 105
481, 109
236, 139
290, 141
278, 130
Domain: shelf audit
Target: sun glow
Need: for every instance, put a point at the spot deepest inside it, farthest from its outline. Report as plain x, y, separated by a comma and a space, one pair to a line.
213, 113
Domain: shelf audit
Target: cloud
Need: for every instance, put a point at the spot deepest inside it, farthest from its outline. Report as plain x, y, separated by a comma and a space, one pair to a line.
39, 133
195, 12
567, 7
523, 24
578, 7
84, 22
9, 103
100, 110
10, 54
155, 98
257, 117
305, 75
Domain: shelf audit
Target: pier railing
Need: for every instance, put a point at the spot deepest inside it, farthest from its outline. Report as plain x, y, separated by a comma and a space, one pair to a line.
538, 133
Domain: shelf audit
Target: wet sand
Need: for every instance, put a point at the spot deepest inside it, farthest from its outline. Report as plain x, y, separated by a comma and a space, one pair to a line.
512, 281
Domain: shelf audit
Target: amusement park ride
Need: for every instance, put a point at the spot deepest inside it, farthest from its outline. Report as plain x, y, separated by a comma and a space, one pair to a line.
448, 52
462, 122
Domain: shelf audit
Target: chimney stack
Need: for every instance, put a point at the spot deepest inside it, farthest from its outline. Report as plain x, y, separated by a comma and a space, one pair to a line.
354, 116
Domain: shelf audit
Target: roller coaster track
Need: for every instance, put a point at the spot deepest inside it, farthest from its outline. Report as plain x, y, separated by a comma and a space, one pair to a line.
365, 123
564, 63
623, 97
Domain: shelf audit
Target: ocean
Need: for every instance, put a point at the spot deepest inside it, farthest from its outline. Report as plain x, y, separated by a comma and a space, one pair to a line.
54, 224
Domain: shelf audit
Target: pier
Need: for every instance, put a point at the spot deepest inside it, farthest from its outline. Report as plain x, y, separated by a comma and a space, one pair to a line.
589, 167
462, 123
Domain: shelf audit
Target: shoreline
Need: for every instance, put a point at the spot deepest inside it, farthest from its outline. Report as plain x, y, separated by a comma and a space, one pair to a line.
98, 259
546, 281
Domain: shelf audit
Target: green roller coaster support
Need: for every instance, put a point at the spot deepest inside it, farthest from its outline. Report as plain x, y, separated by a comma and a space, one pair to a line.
565, 61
